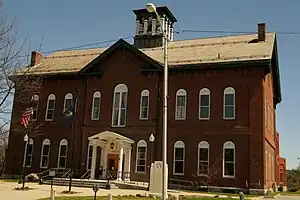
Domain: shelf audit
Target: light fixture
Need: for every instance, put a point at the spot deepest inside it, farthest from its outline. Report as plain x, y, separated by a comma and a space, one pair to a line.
151, 138
151, 7
26, 138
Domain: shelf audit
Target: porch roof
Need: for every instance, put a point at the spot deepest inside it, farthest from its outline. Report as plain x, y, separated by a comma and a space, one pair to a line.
106, 135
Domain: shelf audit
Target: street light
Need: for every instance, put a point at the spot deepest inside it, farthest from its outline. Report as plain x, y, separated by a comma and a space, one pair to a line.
152, 9
151, 139
25, 159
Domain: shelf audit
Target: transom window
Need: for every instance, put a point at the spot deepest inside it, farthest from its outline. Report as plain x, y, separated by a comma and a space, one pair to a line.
68, 102
96, 106
179, 154
203, 158
204, 104
62, 154
181, 98
229, 103
45, 154
50, 108
119, 106
144, 105
35, 106
141, 156
229, 159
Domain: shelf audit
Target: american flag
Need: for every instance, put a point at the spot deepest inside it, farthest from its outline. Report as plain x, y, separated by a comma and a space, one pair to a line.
25, 118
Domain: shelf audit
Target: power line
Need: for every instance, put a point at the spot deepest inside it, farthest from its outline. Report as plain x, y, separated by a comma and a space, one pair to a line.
231, 32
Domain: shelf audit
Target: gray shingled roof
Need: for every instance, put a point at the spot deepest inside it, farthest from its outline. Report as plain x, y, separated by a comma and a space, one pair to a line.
180, 52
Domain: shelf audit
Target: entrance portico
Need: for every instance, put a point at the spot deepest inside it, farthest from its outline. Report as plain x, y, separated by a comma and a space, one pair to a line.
113, 146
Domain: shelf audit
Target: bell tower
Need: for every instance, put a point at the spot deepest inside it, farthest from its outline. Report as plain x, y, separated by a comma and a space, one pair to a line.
148, 32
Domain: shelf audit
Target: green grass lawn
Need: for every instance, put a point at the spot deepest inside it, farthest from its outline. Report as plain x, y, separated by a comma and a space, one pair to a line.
227, 194
10, 180
297, 193
125, 198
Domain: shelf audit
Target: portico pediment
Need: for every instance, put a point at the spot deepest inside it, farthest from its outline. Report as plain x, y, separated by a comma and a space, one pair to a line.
107, 136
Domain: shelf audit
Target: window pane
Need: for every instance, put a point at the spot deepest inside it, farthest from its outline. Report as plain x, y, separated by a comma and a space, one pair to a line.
229, 169
144, 101
44, 161
62, 162
117, 100
178, 153
63, 150
124, 100
29, 159
179, 167
30, 148
123, 116
51, 104
229, 99
181, 112
46, 150
180, 100
115, 117
141, 168
229, 155
144, 113
229, 111
68, 104
50, 114
204, 112
203, 167
96, 113
204, 100
96, 102
203, 154
142, 162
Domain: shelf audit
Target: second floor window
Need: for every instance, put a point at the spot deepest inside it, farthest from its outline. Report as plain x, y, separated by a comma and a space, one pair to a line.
119, 106
204, 104
68, 102
35, 106
229, 103
96, 106
50, 107
144, 104
181, 98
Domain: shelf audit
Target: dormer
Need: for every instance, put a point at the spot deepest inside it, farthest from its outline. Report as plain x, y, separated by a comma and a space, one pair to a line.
148, 32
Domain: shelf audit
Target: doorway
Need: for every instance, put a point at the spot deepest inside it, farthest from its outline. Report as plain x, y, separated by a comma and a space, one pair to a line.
112, 165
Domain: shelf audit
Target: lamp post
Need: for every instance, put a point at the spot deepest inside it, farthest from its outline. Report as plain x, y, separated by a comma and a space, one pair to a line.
26, 139
152, 9
151, 139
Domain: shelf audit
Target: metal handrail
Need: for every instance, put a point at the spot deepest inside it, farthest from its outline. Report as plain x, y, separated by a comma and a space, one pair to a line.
67, 174
86, 174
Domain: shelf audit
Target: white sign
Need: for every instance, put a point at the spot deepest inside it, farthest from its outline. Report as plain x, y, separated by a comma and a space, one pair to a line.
52, 173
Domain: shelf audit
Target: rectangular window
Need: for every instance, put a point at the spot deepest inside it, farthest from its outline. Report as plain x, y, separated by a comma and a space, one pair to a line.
179, 161
144, 107
63, 156
229, 170
45, 156
50, 109
180, 107
204, 106
96, 108
29, 155
229, 107
119, 111
141, 160
203, 161
90, 156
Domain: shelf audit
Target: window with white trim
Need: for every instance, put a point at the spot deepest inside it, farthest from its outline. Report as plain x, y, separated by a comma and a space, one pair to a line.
204, 104
96, 105
89, 156
203, 158
144, 105
28, 149
229, 159
35, 106
50, 108
68, 102
181, 98
62, 154
45, 154
179, 155
119, 106
141, 156
229, 103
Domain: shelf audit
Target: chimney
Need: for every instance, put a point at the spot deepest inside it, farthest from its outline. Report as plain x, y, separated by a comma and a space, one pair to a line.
36, 58
261, 32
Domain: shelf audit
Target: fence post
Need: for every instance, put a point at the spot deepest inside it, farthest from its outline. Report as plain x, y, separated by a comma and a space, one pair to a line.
52, 194
109, 196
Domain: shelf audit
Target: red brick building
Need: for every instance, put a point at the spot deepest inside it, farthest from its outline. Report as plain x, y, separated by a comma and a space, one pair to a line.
281, 179
223, 93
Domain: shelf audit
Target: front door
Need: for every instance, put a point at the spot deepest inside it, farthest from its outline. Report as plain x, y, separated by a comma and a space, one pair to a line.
112, 165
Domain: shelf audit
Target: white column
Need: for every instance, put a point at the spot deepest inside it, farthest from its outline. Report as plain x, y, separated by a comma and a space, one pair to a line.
172, 34
162, 21
127, 164
104, 161
120, 164
137, 29
169, 30
94, 156
153, 25
145, 26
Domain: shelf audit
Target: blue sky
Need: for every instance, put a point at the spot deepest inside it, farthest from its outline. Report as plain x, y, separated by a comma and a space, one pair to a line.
67, 23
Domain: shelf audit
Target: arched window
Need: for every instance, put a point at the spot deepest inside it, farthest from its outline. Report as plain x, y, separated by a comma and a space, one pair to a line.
89, 156
229, 159
181, 98
35, 106
96, 105
45, 153
229, 103
204, 104
68, 102
179, 156
141, 156
144, 104
28, 149
50, 108
62, 154
119, 106
203, 158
